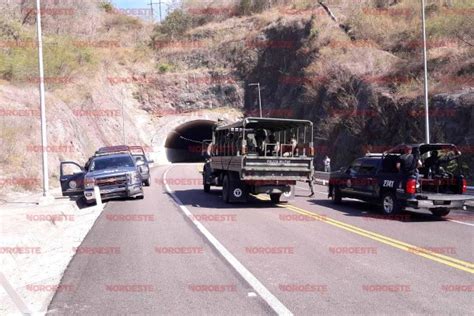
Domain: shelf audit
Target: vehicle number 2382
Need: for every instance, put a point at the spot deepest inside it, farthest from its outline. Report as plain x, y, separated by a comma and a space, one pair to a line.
388, 183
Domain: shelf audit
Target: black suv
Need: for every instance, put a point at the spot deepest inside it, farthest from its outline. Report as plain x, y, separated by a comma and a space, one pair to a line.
375, 178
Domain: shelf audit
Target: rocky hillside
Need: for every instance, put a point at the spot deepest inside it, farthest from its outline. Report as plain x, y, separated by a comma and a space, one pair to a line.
354, 69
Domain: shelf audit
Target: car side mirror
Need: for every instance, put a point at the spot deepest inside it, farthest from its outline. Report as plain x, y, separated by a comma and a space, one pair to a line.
151, 161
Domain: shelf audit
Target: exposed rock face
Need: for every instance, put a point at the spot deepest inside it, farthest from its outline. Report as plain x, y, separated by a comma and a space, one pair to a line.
308, 68
352, 107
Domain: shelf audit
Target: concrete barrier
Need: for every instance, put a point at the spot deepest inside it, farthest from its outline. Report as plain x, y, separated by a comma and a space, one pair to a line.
321, 177
98, 198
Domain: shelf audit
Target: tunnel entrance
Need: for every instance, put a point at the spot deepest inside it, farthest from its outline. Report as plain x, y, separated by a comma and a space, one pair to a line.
183, 144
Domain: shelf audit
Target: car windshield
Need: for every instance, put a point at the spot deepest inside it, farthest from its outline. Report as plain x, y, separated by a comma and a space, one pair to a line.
111, 163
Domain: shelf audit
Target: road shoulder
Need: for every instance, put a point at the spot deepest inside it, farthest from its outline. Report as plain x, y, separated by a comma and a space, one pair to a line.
37, 245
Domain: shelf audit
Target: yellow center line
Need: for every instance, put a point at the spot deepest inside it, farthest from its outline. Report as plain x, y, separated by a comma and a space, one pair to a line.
452, 262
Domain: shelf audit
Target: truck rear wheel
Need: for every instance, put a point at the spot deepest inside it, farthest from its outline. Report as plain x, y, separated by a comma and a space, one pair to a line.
390, 205
336, 195
225, 189
440, 212
275, 197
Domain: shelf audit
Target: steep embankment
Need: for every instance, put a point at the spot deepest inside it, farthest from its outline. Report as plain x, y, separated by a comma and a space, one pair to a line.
83, 106
357, 75
359, 78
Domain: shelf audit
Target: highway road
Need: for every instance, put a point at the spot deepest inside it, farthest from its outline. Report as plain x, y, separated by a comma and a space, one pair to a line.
182, 251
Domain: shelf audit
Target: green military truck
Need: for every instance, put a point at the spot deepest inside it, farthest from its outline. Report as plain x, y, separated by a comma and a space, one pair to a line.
259, 155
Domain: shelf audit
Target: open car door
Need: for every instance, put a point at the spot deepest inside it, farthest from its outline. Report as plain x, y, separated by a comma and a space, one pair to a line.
71, 178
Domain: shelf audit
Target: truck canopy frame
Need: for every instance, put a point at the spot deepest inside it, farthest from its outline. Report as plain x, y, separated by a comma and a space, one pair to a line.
264, 137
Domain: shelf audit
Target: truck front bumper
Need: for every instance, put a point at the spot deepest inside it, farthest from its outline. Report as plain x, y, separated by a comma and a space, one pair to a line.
131, 190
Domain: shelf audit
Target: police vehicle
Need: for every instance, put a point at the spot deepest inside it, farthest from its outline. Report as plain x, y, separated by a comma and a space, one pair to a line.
438, 185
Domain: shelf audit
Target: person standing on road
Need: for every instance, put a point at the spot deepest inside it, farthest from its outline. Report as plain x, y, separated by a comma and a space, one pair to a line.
311, 186
327, 164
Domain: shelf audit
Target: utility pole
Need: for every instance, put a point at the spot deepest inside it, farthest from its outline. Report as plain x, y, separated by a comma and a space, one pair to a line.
44, 140
123, 118
259, 97
425, 61
159, 3
152, 13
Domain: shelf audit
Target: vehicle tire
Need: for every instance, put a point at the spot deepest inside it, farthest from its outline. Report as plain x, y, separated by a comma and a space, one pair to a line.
390, 205
141, 197
275, 197
440, 212
336, 195
225, 189
147, 182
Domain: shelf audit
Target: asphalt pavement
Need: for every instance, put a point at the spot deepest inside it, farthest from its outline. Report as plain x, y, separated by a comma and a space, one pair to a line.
183, 251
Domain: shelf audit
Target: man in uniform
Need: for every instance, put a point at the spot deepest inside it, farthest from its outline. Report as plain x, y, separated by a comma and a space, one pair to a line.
327, 164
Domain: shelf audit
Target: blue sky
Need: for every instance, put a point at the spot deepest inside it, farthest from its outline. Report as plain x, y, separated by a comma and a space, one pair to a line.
131, 3
140, 4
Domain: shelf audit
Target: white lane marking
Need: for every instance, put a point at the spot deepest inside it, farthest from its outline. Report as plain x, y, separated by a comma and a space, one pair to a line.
459, 222
271, 300
306, 189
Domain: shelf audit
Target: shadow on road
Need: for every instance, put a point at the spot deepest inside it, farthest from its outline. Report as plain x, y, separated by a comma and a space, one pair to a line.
372, 212
213, 200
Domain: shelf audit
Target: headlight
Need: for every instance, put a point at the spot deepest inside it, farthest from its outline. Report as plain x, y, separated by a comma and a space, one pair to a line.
134, 177
89, 183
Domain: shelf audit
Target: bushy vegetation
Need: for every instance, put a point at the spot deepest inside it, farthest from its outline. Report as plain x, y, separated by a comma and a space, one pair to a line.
107, 6
175, 24
399, 26
61, 57
164, 68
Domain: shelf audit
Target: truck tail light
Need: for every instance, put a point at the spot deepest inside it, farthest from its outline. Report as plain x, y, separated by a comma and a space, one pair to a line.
464, 186
244, 149
411, 186
311, 151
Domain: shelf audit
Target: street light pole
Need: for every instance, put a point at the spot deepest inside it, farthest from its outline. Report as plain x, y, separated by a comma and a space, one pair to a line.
44, 140
425, 61
123, 118
259, 97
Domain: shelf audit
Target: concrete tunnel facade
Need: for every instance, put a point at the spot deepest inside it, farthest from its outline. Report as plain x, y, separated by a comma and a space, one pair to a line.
182, 141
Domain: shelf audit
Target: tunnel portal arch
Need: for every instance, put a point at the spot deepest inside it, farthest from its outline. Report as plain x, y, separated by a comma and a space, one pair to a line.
184, 143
